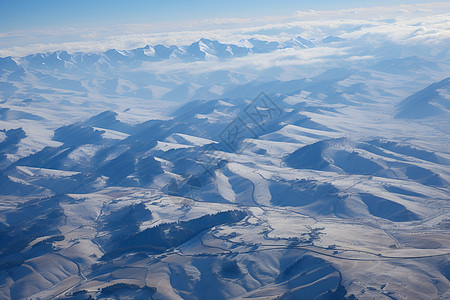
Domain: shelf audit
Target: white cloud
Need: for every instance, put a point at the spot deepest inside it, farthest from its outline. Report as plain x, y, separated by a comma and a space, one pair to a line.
279, 58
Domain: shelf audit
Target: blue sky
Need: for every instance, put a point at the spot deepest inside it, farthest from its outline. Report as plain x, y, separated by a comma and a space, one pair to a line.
47, 14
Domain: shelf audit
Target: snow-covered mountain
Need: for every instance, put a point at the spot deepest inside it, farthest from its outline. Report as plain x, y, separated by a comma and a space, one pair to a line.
200, 50
258, 170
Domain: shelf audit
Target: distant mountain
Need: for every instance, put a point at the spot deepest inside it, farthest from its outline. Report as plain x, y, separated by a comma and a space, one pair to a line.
136, 73
332, 39
200, 50
299, 42
8, 64
433, 100
404, 65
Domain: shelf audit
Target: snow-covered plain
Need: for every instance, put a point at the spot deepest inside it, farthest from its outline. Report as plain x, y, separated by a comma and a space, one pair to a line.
162, 172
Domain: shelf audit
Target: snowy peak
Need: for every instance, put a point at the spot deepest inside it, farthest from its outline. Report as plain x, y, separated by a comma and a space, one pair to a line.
260, 46
200, 50
299, 42
8, 64
332, 39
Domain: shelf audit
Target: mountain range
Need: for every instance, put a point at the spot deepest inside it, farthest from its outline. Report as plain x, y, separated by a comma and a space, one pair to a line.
204, 172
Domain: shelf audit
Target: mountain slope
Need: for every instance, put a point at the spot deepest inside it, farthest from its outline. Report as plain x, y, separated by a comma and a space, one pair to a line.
433, 100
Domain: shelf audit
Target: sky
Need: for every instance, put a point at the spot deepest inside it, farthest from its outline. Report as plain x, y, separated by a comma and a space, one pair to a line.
46, 14
32, 26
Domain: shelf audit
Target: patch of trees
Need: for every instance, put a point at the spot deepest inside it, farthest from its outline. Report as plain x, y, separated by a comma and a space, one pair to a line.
31, 220
13, 137
49, 157
124, 286
74, 135
126, 221
230, 269
165, 236
147, 168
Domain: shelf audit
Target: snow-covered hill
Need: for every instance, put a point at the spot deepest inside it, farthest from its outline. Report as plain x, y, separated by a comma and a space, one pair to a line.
259, 169
433, 100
